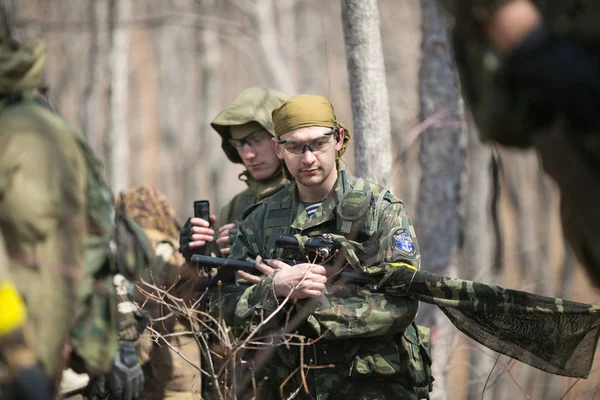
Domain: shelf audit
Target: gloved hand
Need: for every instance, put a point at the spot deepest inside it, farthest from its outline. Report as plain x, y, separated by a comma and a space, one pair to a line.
33, 384
185, 237
126, 379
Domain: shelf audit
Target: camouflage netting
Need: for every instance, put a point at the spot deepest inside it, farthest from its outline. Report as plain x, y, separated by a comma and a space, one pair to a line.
554, 335
151, 210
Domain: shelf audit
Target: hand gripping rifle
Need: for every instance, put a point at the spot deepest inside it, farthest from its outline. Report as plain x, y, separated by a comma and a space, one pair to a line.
318, 249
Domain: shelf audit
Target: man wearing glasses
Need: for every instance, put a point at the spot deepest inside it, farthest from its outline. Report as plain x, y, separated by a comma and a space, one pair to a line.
245, 127
357, 343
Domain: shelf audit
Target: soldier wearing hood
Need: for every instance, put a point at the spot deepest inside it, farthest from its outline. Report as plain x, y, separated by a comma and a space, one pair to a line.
42, 218
245, 127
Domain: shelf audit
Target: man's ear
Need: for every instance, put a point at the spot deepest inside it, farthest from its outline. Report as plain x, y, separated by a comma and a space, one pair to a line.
339, 139
276, 148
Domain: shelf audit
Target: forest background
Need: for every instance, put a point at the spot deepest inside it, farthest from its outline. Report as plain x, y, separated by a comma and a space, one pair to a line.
143, 79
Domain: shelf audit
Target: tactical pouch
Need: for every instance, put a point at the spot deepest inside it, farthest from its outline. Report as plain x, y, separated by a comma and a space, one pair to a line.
378, 359
416, 359
350, 211
134, 252
95, 339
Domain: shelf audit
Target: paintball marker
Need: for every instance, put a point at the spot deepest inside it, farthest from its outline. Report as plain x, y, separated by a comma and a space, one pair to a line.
322, 248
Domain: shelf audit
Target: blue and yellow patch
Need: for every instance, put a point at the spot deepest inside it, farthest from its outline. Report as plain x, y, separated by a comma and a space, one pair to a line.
403, 242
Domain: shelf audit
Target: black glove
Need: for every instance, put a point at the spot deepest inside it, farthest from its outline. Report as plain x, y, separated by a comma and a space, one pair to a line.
126, 379
33, 384
185, 237
97, 389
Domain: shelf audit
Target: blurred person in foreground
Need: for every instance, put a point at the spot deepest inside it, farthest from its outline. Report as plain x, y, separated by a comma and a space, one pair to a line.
530, 72
42, 218
65, 249
26, 375
167, 374
246, 128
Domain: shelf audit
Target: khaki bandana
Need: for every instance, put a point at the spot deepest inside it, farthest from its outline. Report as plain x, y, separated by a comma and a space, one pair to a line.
239, 132
304, 111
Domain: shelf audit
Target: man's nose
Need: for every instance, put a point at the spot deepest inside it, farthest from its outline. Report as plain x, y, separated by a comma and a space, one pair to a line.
307, 156
248, 152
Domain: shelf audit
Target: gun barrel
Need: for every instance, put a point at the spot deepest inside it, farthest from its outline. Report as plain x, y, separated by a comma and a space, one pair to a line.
213, 262
286, 242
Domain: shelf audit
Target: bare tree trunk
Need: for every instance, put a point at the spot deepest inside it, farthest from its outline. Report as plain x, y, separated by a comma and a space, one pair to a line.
286, 16
117, 135
95, 83
310, 48
211, 151
477, 255
268, 41
370, 108
438, 221
402, 49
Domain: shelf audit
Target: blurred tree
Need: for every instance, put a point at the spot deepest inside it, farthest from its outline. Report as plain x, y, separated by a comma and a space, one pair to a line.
438, 220
477, 254
117, 138
370, 108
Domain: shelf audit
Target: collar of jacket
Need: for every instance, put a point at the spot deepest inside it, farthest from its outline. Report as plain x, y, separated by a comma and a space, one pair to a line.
326, 212
266, 187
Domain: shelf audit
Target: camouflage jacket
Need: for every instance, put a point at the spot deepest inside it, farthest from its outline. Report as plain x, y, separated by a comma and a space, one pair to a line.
43, 218
256, 191
366, 324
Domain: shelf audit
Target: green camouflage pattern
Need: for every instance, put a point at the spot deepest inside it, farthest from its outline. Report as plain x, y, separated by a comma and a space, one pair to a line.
43, 220
115, 245
551, 334
369, 325
256, 191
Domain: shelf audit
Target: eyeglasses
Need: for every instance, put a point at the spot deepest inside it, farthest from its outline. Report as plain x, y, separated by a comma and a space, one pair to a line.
253, 140
316, 146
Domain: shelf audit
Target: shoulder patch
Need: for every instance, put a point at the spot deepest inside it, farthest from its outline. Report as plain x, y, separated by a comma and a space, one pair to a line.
403, 242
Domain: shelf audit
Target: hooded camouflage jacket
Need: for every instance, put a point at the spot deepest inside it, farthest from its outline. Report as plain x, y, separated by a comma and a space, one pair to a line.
42, 217
252, 105
366, 324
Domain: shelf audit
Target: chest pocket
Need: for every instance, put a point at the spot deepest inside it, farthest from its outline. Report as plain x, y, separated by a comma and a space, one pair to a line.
358, 212
351, 211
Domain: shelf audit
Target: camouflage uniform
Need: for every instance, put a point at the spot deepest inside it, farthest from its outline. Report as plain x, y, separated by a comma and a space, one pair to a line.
42, 204
369, 346
509, 114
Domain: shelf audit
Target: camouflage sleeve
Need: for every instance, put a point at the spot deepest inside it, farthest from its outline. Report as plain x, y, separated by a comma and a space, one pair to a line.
244, 312
34, 198
398, 242
42, 216
354, 311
